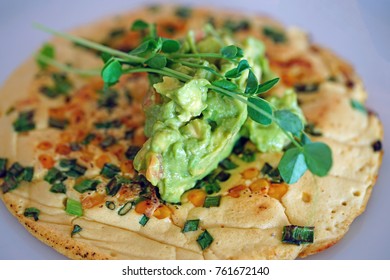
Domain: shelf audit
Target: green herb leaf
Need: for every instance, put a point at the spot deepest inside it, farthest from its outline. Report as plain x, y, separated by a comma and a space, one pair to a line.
46, 51
32, 212
73, 207
170, 46
257, 116
292, 166
267, 85
289, 121
252, 83
236, 72
205, 239
157, 62
231, 52
105, 57
358, 106
138, 25
225, 84
76, 229
191, 225
111, 72
318, 158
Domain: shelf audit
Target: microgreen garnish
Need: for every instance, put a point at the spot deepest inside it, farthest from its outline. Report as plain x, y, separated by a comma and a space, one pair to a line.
156, 56
46, 51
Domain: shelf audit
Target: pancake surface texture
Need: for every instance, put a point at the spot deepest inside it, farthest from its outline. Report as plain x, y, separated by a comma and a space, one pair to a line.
249, 221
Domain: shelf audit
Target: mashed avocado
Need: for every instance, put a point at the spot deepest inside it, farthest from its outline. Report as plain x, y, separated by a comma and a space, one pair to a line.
191, 128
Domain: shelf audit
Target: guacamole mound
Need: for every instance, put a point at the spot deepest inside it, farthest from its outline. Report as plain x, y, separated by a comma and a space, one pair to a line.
191, 128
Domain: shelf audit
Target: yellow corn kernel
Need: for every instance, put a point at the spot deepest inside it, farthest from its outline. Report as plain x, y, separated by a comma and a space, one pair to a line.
260, 186
277, 190
235, 191
250, 173
143, 206
162, 212
197, 197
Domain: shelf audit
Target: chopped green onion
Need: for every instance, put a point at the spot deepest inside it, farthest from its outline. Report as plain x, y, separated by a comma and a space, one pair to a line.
24, 122
108, 124
86, 185
377, 146
358, 106
298, 235
108, 141
144, 219
32, 212
129, 134
132, 152
54, 175
125, 208
212, 201
76, 229
110, 205
74, 207
28, 174
267, 168
67, 163
113, 187
108, 99
58, 123
183, 12
109, 170
212, 187
275, 35
205, 239
3, 167
16, 169
191, 225
248, 156
88, 139
222, 176
58, 188
240, 145
235, 26
306, 88
74, 146
10, 183
227, 164
76, 171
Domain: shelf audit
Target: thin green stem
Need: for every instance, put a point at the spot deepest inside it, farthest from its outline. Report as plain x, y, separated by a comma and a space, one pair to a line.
194, 65
68, 68
200, 55
89, 44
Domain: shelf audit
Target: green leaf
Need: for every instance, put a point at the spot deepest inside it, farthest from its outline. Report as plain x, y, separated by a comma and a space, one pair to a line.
170, 46
252, 83
230, 52
358, 106
318, 158
144, 47
236, 72
157, 62
105, 57
139, 24
267, 85
262, 105
289, 121
111, 72
47, 51
292, 166
225, 85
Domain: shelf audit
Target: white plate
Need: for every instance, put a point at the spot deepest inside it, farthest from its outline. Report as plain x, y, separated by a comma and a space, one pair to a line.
356, 30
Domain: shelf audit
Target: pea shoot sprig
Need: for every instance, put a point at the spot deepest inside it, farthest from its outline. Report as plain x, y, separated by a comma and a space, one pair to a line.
157, 55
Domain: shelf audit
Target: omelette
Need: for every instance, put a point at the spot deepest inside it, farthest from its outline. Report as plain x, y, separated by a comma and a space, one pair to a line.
83, 167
